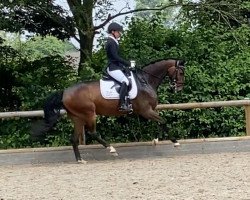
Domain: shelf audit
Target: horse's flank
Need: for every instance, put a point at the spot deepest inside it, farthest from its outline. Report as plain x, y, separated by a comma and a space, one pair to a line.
90, 96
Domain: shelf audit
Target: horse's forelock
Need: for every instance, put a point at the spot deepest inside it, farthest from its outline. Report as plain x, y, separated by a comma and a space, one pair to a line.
182, 62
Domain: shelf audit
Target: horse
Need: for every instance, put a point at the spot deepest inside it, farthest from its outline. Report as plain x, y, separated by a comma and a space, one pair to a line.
84, 101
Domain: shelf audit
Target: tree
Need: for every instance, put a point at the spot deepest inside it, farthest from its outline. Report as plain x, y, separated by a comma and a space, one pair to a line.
231, 13
8, 100
169, 14
37, 64
43, 17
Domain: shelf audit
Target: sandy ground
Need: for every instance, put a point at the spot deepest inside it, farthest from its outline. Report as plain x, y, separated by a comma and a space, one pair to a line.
208, 176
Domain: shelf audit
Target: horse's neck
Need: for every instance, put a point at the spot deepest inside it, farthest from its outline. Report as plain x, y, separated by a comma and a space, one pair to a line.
154, 74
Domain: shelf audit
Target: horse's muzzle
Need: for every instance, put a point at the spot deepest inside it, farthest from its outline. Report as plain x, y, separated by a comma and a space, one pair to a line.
179, 88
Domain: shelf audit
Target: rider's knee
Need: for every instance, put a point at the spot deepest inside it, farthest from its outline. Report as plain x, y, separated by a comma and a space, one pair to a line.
125, 81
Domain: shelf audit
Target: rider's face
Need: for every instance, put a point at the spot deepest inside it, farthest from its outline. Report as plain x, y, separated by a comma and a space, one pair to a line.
117, 34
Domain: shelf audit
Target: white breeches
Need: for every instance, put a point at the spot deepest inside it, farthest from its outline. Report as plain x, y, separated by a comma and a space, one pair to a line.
118, 75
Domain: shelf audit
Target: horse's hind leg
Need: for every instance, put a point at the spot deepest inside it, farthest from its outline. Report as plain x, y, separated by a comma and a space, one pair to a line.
82, 137
91, 126
78, 130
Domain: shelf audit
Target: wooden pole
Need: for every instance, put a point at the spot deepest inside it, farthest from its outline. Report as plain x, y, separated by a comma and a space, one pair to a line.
183, 106
180, 106
247, 115
36, 113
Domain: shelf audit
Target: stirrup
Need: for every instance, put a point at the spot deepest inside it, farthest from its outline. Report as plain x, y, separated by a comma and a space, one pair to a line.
126, 108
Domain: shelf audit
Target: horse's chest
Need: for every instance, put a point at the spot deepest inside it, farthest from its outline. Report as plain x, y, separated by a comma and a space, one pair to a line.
152, 94
151, 98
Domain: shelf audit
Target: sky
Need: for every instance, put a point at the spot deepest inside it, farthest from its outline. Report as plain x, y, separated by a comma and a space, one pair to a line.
118, 5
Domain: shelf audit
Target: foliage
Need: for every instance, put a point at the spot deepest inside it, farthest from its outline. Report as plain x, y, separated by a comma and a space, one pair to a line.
39, 47
8, 63
46, 18
13, 133
39, 16
144, 47
169, 14
231, 13
24, 86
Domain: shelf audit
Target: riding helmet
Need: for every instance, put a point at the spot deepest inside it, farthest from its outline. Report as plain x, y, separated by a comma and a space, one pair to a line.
115, 27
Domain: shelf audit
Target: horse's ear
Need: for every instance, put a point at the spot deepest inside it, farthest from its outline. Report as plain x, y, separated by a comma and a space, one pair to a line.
182, 62
179, 63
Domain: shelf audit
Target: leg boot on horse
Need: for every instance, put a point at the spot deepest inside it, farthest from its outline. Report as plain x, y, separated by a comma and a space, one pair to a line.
124, 104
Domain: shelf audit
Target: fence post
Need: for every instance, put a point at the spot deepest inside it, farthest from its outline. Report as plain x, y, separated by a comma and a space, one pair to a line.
247, 116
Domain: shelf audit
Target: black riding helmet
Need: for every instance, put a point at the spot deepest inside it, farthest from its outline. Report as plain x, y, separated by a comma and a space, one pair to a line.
115, 27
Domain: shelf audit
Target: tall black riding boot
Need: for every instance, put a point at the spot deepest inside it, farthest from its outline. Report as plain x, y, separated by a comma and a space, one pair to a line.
124, 104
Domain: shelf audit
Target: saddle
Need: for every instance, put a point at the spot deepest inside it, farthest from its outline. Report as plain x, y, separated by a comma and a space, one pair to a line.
110, 88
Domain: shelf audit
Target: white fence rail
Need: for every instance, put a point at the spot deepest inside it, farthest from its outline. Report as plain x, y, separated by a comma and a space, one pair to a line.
181, 106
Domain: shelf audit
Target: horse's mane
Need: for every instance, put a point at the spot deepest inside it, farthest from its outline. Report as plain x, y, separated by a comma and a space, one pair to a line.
140, 70
181, 61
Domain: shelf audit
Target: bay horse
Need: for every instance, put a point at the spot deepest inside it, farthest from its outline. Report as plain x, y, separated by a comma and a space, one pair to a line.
83, 102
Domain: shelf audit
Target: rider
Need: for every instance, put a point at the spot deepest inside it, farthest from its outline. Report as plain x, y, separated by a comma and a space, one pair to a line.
117, 65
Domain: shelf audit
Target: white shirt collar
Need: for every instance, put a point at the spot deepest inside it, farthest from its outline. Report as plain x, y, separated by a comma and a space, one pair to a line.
111, 36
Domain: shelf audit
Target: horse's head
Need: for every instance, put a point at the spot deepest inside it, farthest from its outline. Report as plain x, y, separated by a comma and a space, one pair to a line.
176, 75
157, 71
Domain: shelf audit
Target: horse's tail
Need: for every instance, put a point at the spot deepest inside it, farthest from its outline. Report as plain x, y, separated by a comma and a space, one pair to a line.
51, 109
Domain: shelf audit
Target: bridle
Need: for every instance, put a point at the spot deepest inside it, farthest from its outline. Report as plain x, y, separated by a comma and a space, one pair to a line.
173, 82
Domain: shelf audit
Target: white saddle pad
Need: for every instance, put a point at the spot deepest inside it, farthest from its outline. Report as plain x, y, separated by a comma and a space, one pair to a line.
109, 88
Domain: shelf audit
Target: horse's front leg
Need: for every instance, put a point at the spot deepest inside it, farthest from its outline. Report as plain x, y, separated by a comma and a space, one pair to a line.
164, 131
154, 116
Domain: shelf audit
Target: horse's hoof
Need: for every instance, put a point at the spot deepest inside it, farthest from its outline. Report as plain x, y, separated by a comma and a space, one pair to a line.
112, 149
155, 141
177, 144
82, 161
115, 154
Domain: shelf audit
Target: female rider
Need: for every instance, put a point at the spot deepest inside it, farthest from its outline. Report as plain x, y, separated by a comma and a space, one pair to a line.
117, 65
